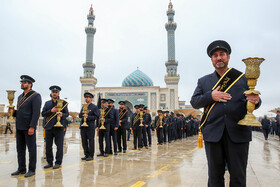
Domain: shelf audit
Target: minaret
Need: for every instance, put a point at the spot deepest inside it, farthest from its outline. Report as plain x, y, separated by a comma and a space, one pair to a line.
88, 81
172, 78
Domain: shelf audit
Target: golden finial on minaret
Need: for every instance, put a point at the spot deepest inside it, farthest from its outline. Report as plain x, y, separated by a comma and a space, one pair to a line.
170, 6
91, 11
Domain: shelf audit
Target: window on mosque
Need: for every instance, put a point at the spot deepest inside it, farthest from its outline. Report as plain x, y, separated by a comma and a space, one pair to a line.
162, 106
162, 97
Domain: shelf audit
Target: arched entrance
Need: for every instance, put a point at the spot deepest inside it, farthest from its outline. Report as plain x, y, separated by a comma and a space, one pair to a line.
128, 105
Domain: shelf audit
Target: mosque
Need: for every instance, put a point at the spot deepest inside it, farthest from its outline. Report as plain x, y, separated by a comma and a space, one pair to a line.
137, 87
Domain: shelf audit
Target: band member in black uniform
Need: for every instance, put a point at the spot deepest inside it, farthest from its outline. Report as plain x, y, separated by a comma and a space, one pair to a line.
88, 132
188, 125
143, 129
137, 131
175, 134
52, 133
165, 126
27, 116
171, 134
148, 119
114, 126
159, 127
169, 127
123, 126
179, 126
184, 125
221, 93
104, 121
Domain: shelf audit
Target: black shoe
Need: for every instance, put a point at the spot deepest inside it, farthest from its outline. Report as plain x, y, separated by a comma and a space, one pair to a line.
115, 153
48, 166
29, 174
106, 155
111, 152
84, 158
56, 166
124, 151
18, 173
89, 158
101, 154
119, 151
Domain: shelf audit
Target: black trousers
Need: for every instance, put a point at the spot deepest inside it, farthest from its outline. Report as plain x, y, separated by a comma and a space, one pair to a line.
265, 133
148, 129
8, 128
222, 152
160, 135
88, 141
144, 137
128, 134
121, 137
113, 138
55, 134
137, 136
165, 133
104, 134
175, 133
179, 133
23, 140
170, 134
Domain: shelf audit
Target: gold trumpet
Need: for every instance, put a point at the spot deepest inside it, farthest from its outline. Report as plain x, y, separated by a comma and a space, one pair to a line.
102, 113
11, 96
141, 119
160, 121
59, 108
85, 111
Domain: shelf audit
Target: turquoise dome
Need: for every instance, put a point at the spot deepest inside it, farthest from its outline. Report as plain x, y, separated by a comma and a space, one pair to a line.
137, 79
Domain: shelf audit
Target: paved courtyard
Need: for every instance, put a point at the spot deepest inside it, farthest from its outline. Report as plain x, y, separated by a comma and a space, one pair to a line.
177, 164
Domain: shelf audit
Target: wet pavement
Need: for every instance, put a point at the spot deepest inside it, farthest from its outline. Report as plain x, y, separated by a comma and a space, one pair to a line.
177, 164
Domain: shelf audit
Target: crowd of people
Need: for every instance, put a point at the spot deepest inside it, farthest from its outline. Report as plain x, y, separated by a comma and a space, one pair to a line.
270, 126
104, 120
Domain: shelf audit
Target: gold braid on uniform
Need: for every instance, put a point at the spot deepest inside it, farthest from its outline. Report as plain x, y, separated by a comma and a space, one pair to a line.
53, 115
157, 124
137, 117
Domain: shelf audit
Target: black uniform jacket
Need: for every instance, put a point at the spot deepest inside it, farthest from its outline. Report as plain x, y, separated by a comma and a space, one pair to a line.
223, 115
123, 117
28, 113
48, 115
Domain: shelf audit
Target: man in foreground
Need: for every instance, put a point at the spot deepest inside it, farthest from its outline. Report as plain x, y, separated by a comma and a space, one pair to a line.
221, 95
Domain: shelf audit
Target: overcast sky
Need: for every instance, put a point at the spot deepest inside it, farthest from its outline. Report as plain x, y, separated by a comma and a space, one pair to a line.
46, 39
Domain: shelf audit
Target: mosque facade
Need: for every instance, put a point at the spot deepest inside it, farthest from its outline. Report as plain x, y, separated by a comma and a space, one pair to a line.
137, 87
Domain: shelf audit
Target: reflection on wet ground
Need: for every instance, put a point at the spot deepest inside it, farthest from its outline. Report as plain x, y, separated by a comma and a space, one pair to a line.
177, 164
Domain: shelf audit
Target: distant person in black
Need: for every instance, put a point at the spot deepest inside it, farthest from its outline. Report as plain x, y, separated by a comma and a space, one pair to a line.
8, 127
277, 121
88, 132
265, 127
123, 126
